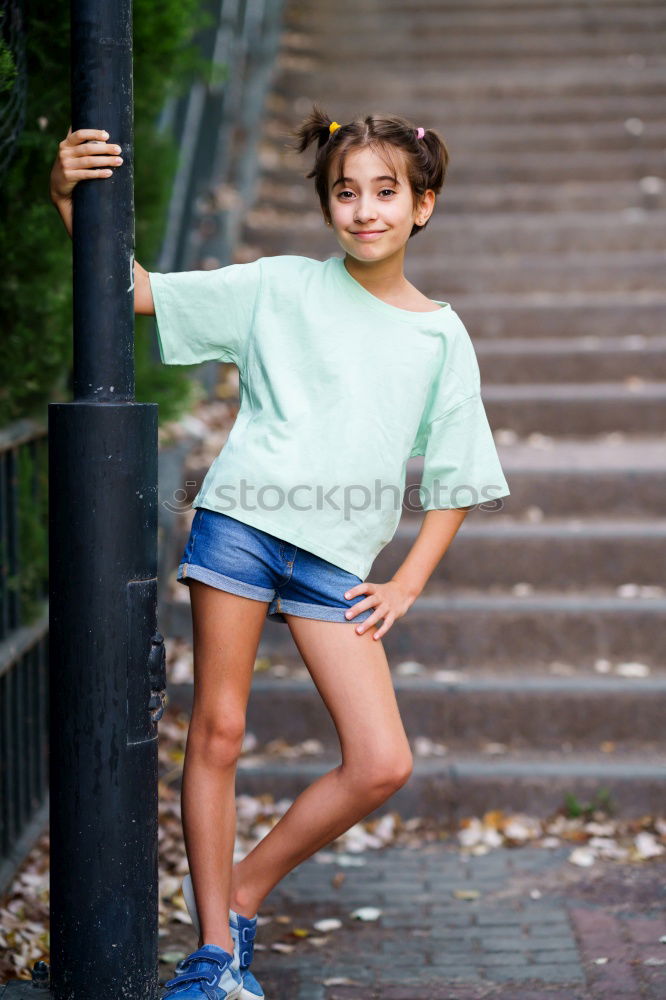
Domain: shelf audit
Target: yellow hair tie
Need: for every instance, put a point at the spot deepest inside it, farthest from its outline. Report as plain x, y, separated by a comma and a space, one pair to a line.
332, 127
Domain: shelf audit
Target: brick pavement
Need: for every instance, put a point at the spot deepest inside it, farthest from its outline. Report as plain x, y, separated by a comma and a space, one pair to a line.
534, 932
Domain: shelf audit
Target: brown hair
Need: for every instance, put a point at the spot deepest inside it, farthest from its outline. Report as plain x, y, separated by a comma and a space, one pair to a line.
426, 159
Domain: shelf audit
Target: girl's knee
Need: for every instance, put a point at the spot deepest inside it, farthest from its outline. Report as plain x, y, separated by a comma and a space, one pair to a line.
217, 736
381, 776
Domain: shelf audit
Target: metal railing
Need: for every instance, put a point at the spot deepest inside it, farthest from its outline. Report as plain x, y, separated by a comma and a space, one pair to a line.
14, 94
24, 694
216, 125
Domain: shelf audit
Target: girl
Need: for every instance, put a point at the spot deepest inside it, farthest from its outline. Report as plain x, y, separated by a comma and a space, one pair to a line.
346, 370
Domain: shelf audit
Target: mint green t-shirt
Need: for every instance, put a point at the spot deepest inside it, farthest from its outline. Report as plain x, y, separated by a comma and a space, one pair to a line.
337, 390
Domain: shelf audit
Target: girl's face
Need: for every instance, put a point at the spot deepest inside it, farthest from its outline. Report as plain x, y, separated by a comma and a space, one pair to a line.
372, 212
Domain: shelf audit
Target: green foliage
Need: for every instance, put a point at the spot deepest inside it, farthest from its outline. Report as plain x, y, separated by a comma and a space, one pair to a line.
35, 282
7, 65
602, 802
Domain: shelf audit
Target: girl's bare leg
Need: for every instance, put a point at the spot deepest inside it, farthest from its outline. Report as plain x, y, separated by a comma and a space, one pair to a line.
352, 675
227, 629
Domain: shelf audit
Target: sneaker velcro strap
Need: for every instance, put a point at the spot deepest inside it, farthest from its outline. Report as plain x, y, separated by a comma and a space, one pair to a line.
196, 975
189, 977
202, 956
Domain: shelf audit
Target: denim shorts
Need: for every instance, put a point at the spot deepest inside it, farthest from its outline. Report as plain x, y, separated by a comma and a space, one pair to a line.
231, 555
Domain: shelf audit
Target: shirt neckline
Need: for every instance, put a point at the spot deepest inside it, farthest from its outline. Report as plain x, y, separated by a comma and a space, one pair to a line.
362, 294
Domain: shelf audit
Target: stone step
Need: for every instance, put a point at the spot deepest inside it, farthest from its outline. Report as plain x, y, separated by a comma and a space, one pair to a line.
305, 25
574, 478
451, 273
497, 632
422, 7
637, 77
425, 7
454, 273
549, 477
513, 137
458, 786
522, 112
566, 555
580, 359
577, 410
478, 234
560, 315
559, 137
462, 49
268, 218
465, 714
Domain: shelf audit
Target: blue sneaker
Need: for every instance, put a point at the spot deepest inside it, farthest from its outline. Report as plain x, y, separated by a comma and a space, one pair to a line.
210, 973
243, 931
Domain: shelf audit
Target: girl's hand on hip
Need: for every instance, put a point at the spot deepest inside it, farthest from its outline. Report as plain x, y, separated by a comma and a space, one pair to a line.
82, 155
390, 601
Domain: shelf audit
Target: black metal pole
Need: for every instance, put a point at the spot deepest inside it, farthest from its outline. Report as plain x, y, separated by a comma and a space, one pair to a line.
103, 237
106, 664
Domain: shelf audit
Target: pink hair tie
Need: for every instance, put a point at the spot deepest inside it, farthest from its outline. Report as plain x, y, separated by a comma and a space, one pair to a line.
420, 133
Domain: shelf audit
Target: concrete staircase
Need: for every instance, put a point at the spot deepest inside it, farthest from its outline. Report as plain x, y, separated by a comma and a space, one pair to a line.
549, 241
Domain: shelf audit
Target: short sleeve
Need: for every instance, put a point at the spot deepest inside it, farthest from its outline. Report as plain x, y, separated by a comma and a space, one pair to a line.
205, 315
461, 467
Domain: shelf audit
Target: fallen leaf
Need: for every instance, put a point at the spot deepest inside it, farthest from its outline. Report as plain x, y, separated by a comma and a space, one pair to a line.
327, 924
171, 957
632, 670
286, 949
341, 981
366, 913
646, 845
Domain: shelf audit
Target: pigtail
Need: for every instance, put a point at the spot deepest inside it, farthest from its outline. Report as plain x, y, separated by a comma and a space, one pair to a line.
434, 157
315, 127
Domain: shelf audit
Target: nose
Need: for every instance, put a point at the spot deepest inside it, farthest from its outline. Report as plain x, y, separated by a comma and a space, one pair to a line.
364, 211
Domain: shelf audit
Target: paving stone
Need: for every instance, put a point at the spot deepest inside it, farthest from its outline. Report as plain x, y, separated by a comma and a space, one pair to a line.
544, 973
566, 956
509, 957
463, 972
562, 942
506, 918
455, 932
549, 927
446, 945
492, 942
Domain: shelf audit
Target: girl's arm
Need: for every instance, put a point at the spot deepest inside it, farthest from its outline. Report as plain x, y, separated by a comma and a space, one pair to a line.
438, 529
86, 155
393, 599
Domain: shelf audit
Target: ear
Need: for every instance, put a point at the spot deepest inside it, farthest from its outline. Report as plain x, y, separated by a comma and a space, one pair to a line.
426, 207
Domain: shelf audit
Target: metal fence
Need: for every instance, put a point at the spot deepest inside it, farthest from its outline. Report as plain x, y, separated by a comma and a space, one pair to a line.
15, 85
216, 124
23, 642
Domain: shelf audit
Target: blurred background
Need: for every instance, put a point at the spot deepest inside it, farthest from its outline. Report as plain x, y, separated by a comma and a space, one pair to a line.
531, 674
